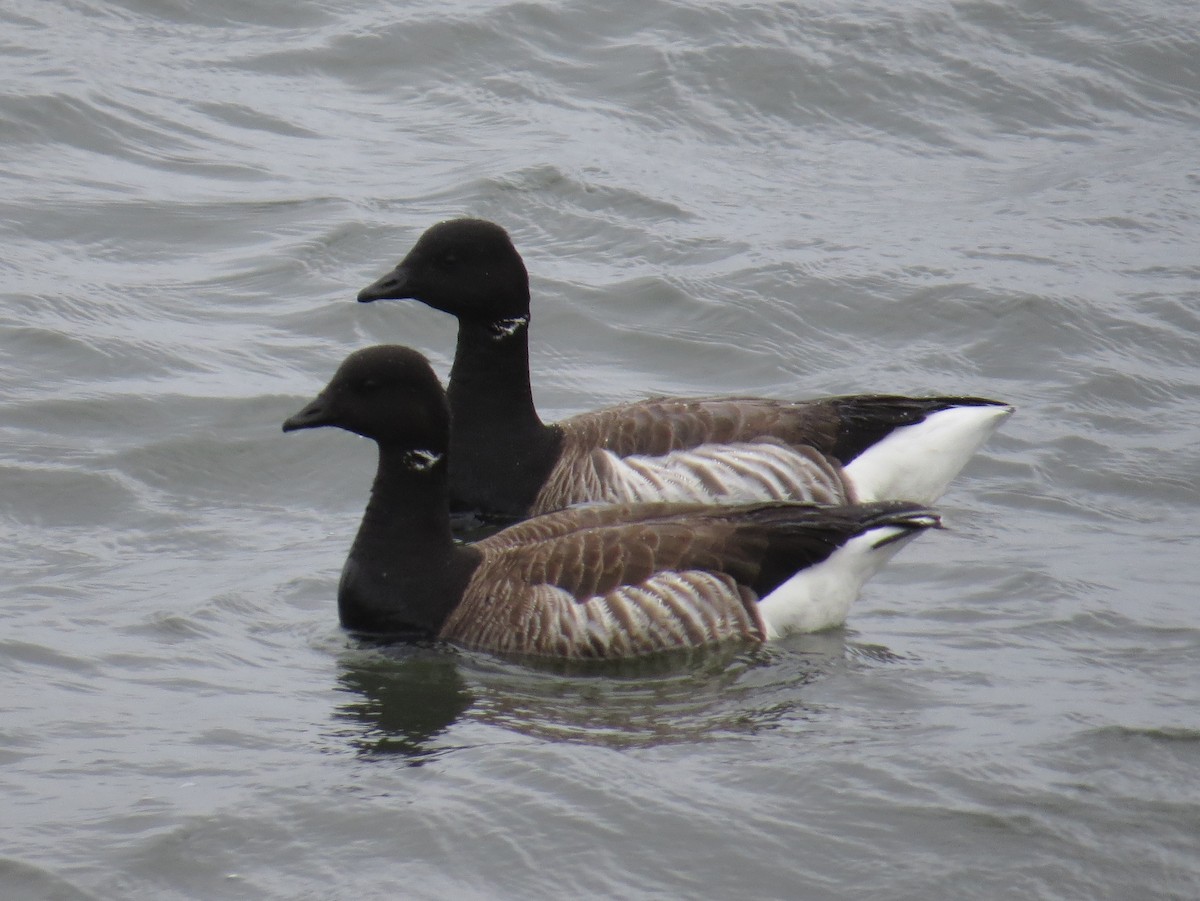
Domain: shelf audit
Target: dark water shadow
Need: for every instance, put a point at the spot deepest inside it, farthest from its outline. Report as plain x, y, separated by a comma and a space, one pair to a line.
401, 699
405, 699
702, 695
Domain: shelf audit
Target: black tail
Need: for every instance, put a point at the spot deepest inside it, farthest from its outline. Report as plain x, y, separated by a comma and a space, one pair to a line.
867, 419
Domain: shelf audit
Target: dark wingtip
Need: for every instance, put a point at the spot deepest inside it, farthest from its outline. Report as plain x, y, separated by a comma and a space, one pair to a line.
391, 287
911, 518
982, 402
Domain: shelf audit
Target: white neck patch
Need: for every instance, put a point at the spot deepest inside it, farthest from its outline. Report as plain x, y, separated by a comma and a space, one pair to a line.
421, 460
506, 328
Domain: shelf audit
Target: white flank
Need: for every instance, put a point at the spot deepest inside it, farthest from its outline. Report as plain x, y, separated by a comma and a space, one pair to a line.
819, 597
725, 473
917, 462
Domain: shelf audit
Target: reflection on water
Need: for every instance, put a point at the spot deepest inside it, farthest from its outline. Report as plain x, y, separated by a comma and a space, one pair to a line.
683, 697
402, 700
406, 699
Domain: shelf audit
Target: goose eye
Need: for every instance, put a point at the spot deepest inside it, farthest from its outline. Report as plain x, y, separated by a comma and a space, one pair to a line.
366, 386
448, 260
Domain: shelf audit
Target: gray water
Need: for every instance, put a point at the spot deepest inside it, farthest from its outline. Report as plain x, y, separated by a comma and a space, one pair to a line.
712, 197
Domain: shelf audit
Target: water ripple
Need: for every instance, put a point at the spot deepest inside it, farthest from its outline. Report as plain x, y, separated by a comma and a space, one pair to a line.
765, 198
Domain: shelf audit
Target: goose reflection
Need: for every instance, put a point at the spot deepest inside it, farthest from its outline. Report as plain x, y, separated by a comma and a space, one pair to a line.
408, 700
403, 699
701, 695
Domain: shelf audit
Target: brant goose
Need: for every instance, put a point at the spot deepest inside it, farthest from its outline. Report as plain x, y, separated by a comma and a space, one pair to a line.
505, 462
589, 582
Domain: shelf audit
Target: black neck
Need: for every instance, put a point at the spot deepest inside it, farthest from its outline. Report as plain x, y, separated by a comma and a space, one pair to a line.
404, 573
500, 450
489, 381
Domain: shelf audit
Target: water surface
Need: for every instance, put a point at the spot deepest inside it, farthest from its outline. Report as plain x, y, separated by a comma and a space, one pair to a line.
766, 198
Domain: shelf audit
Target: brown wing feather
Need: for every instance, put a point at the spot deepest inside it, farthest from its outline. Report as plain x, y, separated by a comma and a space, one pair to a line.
839, 426
664, 424
575, 519
686, 575
667, 611
824, 435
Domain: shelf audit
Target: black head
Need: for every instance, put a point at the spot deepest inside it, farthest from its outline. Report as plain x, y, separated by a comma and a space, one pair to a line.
465, 267
387, 393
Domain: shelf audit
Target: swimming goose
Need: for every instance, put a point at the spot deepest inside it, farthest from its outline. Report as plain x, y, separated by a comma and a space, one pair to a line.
589, 582
506, 462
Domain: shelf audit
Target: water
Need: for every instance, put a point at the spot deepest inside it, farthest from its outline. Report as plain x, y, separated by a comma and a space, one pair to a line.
983, 198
